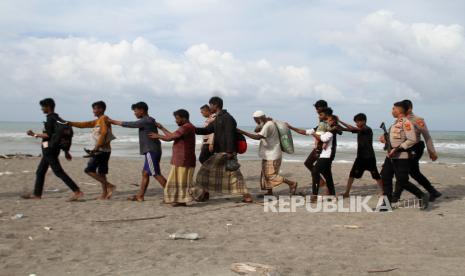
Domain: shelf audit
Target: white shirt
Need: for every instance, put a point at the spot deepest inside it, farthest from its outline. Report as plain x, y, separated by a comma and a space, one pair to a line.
327, 138
270, 146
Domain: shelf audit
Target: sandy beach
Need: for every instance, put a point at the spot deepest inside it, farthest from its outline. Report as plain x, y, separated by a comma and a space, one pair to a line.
55, 237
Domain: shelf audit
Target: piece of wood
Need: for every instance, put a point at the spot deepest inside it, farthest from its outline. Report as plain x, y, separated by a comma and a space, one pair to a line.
253, 268
128, 220
382, 270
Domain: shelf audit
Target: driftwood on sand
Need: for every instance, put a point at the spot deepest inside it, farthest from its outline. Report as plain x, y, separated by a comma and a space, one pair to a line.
16, 155
128, 219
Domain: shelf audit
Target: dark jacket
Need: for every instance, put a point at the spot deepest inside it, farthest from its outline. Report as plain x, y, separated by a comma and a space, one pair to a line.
225, 129
49, 126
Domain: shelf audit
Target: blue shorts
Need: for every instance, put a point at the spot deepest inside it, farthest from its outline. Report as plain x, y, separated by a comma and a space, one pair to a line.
152, 163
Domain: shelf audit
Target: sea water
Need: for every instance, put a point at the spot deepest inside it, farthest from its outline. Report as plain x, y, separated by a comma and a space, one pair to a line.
450, 145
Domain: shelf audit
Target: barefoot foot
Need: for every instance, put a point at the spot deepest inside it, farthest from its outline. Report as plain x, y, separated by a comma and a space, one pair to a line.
136, 198
76, 196
110, 189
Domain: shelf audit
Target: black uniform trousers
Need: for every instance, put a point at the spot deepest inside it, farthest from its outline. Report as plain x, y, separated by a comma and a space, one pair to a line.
50, 159
400, 168
415, 172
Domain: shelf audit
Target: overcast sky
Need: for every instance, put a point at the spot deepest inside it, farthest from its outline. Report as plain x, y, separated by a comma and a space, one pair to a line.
277, 56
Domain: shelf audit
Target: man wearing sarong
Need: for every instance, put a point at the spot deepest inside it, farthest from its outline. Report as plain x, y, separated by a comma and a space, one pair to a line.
220, 172
270, 153
180, 180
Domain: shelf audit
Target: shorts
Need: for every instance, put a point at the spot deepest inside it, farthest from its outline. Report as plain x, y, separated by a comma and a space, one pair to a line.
98, 163
364, 164
152, 163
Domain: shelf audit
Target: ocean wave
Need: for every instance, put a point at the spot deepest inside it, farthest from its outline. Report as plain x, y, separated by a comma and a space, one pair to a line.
299, 143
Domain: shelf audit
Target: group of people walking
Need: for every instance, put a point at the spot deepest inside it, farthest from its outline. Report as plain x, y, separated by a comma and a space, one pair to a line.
221, 142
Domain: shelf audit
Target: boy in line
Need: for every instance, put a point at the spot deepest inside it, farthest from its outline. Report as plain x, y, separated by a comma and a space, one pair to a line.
323, 113
181, 178
50, 153
323, 165
97, 167
207, 140
149, 147
366, 159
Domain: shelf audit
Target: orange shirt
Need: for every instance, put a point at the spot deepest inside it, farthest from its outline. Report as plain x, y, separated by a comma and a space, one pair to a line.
101, 132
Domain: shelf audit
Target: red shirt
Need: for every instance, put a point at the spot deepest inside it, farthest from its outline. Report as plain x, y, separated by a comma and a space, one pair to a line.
184, 146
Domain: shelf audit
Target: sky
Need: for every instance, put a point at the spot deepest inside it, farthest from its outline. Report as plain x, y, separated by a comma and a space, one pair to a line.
275, 56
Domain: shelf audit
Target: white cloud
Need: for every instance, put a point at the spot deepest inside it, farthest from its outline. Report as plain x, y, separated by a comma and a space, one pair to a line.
52, 66
419, 60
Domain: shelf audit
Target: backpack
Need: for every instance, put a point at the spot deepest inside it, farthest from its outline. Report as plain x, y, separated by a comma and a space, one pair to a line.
241, 145
63, 136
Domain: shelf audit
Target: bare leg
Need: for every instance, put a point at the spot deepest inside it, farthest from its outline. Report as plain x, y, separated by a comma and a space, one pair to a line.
350, 181
103, 181
292, 186
144, 183
161, 179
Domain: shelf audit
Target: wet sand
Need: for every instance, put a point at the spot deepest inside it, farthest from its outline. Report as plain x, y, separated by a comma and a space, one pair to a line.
410, 241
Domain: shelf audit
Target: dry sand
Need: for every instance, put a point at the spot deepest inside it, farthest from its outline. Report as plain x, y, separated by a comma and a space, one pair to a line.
408, 240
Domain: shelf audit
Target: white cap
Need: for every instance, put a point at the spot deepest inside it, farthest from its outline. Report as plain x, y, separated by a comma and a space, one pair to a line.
258, 114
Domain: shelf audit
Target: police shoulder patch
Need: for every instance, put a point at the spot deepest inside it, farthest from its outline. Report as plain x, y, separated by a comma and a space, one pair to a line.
408, 125
420, 122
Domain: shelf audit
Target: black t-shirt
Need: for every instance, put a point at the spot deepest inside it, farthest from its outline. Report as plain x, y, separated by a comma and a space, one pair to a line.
365, 143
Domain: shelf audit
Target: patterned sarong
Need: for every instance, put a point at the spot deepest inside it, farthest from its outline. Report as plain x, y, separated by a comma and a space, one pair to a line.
270, 177
179, 184
213, 177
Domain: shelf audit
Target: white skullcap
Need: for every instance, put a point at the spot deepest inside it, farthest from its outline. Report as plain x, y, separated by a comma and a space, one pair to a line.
258, 114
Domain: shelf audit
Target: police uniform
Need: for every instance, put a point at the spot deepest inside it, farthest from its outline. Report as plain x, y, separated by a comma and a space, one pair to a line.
403, 137
418, 149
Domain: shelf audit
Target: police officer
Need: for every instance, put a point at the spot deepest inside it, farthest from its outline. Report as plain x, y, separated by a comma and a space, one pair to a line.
418, 149
397, 163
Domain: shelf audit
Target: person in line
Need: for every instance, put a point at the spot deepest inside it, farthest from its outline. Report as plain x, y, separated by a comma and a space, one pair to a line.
215, 174
149, 147
366, 159
50, 153
270, 153
97, 167
323, 165
323, 113
418, 149
180, 180
206, 150
322, 110
397, 163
